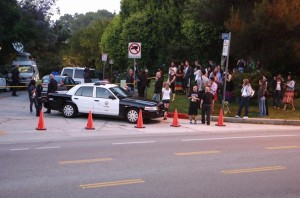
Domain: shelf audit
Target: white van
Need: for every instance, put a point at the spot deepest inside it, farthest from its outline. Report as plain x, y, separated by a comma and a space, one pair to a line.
28, 68
77, 74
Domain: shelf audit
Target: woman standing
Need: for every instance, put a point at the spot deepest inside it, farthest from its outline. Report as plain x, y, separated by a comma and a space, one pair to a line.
179, 80
246, 92
32, 95
229, 86
166, 93
261, 98
277, 88
171, 81
288, 97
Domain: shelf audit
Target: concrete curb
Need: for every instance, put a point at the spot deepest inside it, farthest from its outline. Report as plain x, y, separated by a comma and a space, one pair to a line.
249, 120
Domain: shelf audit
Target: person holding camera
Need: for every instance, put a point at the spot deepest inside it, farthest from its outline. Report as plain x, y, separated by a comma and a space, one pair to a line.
245, 99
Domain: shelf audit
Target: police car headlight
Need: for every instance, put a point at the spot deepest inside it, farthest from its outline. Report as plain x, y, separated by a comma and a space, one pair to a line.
151, 108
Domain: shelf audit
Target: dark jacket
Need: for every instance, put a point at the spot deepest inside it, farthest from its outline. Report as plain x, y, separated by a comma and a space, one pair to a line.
87, 75
130, 81
52, 86
158, 86
15, 75
207, 98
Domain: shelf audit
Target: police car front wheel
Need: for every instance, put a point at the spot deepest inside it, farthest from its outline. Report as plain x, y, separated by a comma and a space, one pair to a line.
132, 115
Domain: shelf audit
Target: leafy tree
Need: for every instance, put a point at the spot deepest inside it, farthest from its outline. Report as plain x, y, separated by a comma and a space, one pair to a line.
270, 34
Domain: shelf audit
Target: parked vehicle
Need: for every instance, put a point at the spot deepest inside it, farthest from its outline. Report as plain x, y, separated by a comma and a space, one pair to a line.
64, 83
5, 72
28, 68
77, 74
104, 99
2, 82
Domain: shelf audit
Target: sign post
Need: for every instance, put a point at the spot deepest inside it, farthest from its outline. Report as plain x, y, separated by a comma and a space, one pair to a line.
104, 59
111, 62
134, 51
226, 49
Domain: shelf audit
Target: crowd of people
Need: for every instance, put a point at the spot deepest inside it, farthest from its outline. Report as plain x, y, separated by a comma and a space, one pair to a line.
204, 86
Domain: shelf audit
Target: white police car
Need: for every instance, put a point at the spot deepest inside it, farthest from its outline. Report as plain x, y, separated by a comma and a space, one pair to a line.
104, 99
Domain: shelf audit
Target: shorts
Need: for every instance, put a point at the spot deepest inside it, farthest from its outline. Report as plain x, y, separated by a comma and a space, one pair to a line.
165, 101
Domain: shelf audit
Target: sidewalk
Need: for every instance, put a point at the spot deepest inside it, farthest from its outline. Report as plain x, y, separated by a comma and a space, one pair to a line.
18, 125
247, 121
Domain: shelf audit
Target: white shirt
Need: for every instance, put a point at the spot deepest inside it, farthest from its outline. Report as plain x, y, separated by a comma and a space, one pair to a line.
197, 74
278, 87
213, 88
201, 82
166, 94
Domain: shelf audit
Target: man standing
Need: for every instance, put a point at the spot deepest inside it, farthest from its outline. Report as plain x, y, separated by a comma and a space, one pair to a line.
15, 79
187, 77
87, 75
142, 83
206, 102
158, 87
52, 88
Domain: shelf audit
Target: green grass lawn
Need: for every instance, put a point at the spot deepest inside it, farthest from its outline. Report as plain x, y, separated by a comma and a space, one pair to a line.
181, 103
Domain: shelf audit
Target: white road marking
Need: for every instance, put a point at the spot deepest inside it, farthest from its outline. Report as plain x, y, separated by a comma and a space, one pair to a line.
145, 142
50, 147
242, 137
20, 149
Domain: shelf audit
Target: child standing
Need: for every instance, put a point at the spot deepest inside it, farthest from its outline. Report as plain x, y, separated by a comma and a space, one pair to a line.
194, 104
166, 93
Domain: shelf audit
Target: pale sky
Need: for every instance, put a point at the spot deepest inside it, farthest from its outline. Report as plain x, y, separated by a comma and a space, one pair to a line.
83, 6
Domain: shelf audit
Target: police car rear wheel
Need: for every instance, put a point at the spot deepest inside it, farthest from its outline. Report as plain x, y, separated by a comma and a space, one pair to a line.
132, 115
69, 110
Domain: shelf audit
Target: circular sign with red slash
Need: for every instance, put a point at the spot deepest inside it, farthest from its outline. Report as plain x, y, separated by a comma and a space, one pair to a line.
134, 50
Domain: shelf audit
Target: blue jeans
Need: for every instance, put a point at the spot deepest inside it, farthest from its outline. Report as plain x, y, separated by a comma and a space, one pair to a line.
277, 98
244, 103
241, 69
262, 106
33, 101
156, 97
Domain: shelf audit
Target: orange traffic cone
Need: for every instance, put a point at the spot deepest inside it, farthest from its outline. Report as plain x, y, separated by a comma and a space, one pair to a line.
220, 120
41, 124
175, 119
139, 123
90, 124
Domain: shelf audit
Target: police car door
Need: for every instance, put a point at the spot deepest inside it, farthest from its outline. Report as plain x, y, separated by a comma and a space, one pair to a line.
83, 99
105, 103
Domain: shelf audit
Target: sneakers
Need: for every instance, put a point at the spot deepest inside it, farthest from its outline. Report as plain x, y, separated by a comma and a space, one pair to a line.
237, 116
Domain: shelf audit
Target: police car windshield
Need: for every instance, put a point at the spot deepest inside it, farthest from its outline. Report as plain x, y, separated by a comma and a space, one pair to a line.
120, 92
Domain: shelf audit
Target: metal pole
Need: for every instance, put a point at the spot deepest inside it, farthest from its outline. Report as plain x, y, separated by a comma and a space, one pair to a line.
227, 61
103, 69
134, 76
110, 73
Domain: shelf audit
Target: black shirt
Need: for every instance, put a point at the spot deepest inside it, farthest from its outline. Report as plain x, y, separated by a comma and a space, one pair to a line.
207, 98
52, 86
158, 86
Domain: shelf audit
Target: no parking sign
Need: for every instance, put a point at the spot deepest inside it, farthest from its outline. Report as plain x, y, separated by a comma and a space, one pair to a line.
134, 50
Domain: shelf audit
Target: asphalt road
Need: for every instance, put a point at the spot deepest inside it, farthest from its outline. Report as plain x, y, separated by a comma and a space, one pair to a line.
243, 165
117, 160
